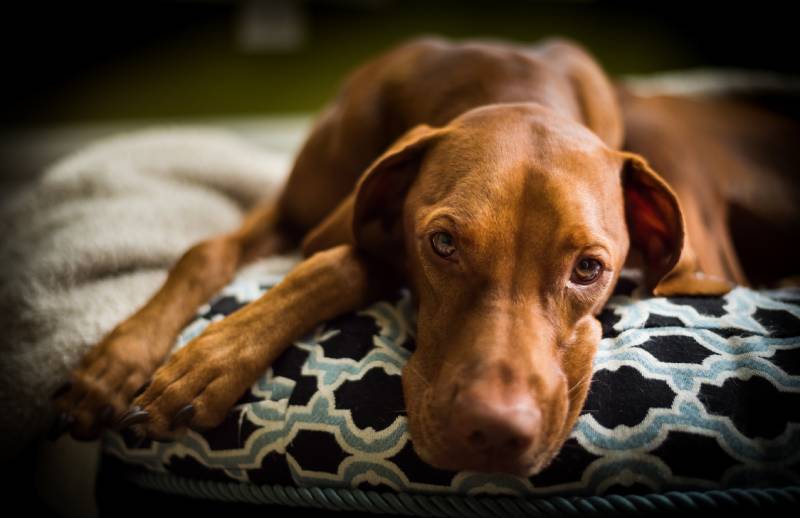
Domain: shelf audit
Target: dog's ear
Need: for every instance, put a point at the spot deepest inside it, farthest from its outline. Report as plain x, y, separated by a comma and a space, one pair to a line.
380, 192
656, 228
369, 217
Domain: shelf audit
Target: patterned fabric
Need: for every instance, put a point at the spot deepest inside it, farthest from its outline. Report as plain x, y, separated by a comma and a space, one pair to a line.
688, 393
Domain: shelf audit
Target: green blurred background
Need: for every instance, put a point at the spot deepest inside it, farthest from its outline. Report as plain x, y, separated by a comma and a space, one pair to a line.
69, 62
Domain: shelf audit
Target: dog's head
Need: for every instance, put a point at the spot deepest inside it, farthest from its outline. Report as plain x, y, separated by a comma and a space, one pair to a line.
515, 224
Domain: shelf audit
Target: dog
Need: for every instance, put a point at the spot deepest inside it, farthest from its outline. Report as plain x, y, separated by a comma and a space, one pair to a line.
492, 180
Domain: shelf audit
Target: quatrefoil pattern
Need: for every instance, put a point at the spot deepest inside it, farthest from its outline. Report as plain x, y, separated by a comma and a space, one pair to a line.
688, 393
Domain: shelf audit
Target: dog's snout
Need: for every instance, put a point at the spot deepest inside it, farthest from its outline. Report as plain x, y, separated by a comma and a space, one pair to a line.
495, 421
495, 427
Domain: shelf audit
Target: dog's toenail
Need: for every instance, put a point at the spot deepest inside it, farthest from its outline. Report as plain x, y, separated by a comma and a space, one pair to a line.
63, 389
183, 416
60, 425
134, 416
141, 389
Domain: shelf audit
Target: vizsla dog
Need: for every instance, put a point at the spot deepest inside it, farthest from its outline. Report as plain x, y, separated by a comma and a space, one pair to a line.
487, 177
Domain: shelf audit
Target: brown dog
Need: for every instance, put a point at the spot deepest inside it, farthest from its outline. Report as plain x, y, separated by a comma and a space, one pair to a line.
486, 177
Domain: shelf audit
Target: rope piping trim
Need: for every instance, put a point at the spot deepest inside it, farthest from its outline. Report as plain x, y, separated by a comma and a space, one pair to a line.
345, 499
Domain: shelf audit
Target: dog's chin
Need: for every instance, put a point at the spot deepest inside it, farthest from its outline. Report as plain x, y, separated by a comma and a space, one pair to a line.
518, 468
527, 465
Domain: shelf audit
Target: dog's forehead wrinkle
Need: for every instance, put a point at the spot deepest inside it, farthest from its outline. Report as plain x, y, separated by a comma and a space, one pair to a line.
577, 207
519, 269
526, 125
487, 161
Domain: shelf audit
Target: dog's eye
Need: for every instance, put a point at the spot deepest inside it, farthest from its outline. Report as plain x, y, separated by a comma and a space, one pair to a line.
443, 244
586, 271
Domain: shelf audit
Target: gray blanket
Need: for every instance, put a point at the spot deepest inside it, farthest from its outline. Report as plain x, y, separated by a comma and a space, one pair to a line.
93, 238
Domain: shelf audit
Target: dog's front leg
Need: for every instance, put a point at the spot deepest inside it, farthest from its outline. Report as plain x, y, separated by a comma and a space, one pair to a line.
110, 375
199, 383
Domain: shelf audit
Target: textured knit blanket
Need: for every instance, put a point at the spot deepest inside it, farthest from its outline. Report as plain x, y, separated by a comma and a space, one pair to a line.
92, 239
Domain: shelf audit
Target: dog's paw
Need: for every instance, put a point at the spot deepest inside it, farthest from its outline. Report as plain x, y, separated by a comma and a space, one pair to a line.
195, 388
108, 377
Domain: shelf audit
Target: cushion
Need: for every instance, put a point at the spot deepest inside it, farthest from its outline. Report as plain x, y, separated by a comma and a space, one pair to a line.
699, 395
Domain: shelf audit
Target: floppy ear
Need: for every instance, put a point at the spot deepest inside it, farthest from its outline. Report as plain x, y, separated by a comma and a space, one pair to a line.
656, 228
370, 217
381, 190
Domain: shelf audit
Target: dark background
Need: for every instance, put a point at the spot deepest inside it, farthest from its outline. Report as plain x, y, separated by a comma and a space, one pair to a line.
83, 61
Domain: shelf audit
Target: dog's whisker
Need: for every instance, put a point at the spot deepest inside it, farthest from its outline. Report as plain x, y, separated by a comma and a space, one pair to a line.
580, 383
418, 374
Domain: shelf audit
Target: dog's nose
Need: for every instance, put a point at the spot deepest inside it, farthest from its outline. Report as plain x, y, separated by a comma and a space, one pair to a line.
495, 420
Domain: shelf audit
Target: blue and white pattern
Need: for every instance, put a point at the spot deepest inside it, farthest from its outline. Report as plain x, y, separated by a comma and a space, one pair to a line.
688, 393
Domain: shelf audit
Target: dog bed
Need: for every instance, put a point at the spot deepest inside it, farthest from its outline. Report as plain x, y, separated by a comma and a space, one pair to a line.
694, 402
